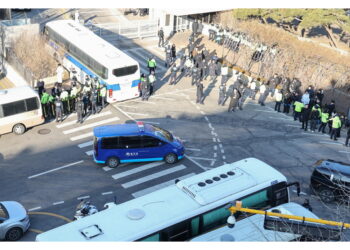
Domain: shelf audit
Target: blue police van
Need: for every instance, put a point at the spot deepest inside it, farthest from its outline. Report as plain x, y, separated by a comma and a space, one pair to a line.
136, 142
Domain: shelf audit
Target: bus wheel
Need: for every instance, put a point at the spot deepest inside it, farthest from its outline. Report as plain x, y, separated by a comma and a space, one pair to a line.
112, 162
170, 158
19, 129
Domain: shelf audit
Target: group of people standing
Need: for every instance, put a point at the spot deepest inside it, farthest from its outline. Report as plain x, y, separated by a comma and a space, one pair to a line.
64, 100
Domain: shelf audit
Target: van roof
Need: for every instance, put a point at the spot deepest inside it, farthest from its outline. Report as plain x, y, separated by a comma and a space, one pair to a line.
15, 94
120, 130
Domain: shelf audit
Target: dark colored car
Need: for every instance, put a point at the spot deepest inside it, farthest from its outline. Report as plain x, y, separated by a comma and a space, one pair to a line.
330, 180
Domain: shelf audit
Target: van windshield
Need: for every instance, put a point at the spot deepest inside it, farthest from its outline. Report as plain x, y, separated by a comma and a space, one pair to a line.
163, 133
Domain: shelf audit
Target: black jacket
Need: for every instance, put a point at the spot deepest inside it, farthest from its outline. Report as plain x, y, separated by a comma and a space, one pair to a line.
305, 114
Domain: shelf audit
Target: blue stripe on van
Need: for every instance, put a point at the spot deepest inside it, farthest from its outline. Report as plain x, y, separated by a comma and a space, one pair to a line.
141, 160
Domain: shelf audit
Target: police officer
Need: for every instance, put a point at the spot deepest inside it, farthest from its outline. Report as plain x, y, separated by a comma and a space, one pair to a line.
224, 73
200, 94
263, 94
86, 103
51, 105
161, 37
304, 117
336, 125
151, 81
145, 90
152, 65
64, 99
173, 53
103, 94
324, 120
59, 109
298, 106
73, 96
188, 66
195, 74
244, 95
79, 106
45, 103
212, 68
222, 94
93, 100
168, 56
235, 95
314, 116
173, 74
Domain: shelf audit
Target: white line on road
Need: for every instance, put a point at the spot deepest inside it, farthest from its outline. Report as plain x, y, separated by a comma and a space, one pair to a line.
214, 140
35, 208
106, 193
345, 152
136, 114
91, 125
136, 170
290, 125
215, 147
215, 155
107, 168
147, 102
164, 98
127, 106
89, 153
75, 138
268, 111
332, 143
83, 197
212, 163
218, 140
86, 144
222, 151
153, 176
201, 158
224, 157
220, 145
197, 163
58, 203
89, 118
193, 149
120, 110
55, 169
159, 186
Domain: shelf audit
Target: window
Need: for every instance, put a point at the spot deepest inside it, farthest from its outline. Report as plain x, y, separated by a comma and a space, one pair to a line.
178, 232
194, 226
167, 20
125, 71
257, 200
3, 212
109, 143
149, 141
215, 218
13, 108
32, 104
127, 142
154, 237
163, 133
1, 112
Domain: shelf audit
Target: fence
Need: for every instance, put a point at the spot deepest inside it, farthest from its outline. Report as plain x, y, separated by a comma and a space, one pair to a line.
131, 30
16, 63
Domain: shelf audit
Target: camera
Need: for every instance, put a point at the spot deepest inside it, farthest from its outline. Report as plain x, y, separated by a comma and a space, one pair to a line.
231, 221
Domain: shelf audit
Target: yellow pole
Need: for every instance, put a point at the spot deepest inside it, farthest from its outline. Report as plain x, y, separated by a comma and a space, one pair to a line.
238, 207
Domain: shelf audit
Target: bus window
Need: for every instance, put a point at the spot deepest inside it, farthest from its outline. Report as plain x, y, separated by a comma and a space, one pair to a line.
195, 226
178, 232
13, 108
215, 218
125, 71
154, 237
256, 201
126, 142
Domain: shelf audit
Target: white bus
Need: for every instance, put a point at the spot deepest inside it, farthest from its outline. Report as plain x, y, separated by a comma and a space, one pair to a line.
20, 109
188, 208
252, 228
88, 54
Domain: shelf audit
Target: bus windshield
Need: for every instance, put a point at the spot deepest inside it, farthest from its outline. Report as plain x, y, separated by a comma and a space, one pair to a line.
163, 133
125, 71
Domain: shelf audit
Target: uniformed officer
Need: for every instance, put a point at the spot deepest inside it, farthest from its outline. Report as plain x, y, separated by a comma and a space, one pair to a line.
173, 74
244, 95
212, 68
235, 95
45, 103
298, 106
51, 105
152, 65
264, 91
222, 94
144, 90
103, 94
200, 94
86, 103
93, 100
188, 66
152, 82
336, 125
59, 109
64, 99
224, 73
79, 106
73, 97
168, 56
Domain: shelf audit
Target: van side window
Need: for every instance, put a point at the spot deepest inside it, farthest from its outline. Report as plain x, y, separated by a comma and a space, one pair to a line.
149, 141
13, 108
109, 143
127, 142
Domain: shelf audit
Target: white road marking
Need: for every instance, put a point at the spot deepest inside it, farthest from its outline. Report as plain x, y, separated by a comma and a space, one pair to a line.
106, 193
215, 147
224, 157
83, 197
107, 168
218, 140
89, 118
290, 125
91, 125
202, 112
75, 138
153, 176
260, 110
137, 169
212, 163
193, 149
55, 169
220, 145
201, 158
222, 151
86, 144
304, 133
136, 114
159, 186
281, 118
147, 102
58, 202
345, 152
126, 106
215, 155
157, 123
164, 98
120, 110
197, 163
214, 140
210, 126
332, 143
197, 107
89, 153
35, 208
225, 163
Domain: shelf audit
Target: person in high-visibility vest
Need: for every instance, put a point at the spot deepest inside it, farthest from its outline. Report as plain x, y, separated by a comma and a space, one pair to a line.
103, 94
152, 65
64, 99
324, 120
298, 106
45, 103
152, 82
336, 125
73, 96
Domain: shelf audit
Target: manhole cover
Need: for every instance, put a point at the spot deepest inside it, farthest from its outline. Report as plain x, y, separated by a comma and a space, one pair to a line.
44, 131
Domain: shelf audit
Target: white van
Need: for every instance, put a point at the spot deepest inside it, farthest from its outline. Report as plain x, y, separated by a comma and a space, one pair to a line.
20, 108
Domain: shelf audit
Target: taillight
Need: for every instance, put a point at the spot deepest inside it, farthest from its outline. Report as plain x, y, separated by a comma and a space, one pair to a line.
110, 93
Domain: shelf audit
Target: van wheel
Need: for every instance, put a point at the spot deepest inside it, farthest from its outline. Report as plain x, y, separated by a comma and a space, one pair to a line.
19, 129
113, 162
326, 195
14, 234
170, 158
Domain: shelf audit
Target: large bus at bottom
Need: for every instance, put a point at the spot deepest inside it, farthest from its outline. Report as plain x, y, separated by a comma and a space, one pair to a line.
184, 210
87, 54
20, 109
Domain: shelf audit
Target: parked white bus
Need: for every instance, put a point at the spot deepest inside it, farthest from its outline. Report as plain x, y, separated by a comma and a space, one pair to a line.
252, 228
88, 54
20, 109
188, 208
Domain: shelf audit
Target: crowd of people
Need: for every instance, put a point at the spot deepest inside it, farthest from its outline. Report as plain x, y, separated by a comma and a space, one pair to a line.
83, 98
